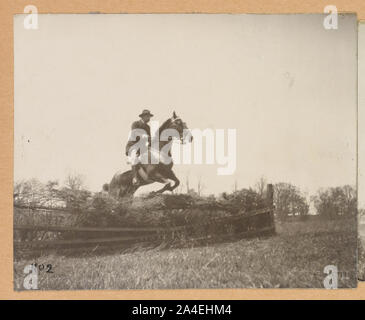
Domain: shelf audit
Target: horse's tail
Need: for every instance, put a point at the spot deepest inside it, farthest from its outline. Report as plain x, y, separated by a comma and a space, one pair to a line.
106, 187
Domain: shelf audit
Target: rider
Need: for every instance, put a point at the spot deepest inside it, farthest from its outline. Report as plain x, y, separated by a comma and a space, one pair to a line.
140, 124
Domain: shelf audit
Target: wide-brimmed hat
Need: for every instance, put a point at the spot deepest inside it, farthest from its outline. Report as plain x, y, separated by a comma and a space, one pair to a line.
146, 113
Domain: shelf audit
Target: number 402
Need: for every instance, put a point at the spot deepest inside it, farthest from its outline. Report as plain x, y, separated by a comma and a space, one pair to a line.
43, 267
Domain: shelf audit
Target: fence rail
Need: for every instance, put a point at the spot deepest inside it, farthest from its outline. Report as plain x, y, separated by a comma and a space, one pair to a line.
41, 208
84, 229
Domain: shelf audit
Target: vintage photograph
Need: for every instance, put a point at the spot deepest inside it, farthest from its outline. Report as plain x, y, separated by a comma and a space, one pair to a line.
182, 151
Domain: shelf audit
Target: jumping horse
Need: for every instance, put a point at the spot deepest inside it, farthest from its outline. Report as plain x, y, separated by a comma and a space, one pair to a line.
121, 184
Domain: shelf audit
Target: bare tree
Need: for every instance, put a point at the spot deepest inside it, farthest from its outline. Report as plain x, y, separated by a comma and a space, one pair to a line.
260, 186
187, 183
75, 181
74, 193
200, 186
180, 188
235, 186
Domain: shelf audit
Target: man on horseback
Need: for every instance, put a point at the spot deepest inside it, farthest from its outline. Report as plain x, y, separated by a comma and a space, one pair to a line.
133, 155
142, 157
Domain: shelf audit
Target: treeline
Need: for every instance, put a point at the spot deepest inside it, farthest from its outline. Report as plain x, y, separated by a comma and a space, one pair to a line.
289, 200
71, 194
328, 202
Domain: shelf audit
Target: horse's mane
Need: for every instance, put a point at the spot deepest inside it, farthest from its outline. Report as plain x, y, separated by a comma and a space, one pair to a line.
164, 126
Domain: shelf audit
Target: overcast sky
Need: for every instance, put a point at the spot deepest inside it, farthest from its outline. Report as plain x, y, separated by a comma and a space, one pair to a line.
285, 83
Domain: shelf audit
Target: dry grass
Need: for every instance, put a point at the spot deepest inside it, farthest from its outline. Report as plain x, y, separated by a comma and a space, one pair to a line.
361, 257
293, 258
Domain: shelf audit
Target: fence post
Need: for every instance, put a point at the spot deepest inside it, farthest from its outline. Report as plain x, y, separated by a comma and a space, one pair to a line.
270, 204
270, 195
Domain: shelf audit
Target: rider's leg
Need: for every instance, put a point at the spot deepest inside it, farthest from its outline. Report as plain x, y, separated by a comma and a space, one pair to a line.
133, 160
135, 180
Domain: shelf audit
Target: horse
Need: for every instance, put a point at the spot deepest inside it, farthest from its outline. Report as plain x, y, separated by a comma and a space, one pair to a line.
121, 184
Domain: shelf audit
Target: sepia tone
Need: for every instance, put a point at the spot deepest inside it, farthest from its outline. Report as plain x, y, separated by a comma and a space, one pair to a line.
6, 118
294, 179
136, 7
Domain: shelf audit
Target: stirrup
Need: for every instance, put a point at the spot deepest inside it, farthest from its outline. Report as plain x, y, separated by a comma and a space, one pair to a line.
135, 181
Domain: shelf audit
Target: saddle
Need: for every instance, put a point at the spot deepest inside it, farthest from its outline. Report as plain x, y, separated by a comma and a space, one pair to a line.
142, 174
154, 156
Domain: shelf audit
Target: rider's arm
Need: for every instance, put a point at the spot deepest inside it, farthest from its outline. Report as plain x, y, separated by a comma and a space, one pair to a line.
135, 125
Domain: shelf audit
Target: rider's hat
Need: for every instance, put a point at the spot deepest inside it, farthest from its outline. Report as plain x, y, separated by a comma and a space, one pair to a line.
145, 113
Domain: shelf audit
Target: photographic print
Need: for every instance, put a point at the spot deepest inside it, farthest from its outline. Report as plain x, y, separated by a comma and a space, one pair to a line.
182, 151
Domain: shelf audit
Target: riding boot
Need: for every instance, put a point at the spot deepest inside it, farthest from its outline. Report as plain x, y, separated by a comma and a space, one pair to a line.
135, 180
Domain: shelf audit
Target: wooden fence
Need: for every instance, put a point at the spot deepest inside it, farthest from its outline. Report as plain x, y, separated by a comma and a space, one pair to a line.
257, 222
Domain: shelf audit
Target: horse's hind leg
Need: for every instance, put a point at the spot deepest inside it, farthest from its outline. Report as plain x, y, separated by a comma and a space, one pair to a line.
127, 191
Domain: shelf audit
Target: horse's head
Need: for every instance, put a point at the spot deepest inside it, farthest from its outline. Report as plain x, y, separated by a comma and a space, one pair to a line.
180, 126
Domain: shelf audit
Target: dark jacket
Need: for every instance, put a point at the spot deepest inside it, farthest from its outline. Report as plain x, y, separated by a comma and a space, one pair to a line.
140, 124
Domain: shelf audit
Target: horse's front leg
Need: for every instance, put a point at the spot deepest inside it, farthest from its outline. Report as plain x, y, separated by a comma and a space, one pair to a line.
166, 187
173, 177
160, 178
165, 180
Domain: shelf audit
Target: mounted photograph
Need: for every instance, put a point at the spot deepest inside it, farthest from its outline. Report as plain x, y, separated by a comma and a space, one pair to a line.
185, 151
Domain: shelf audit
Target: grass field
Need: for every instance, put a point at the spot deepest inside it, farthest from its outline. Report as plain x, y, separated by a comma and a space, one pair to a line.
295, 257
361, 259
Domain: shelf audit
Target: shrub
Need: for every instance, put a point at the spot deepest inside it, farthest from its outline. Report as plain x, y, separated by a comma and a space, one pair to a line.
158, 210
164, 209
